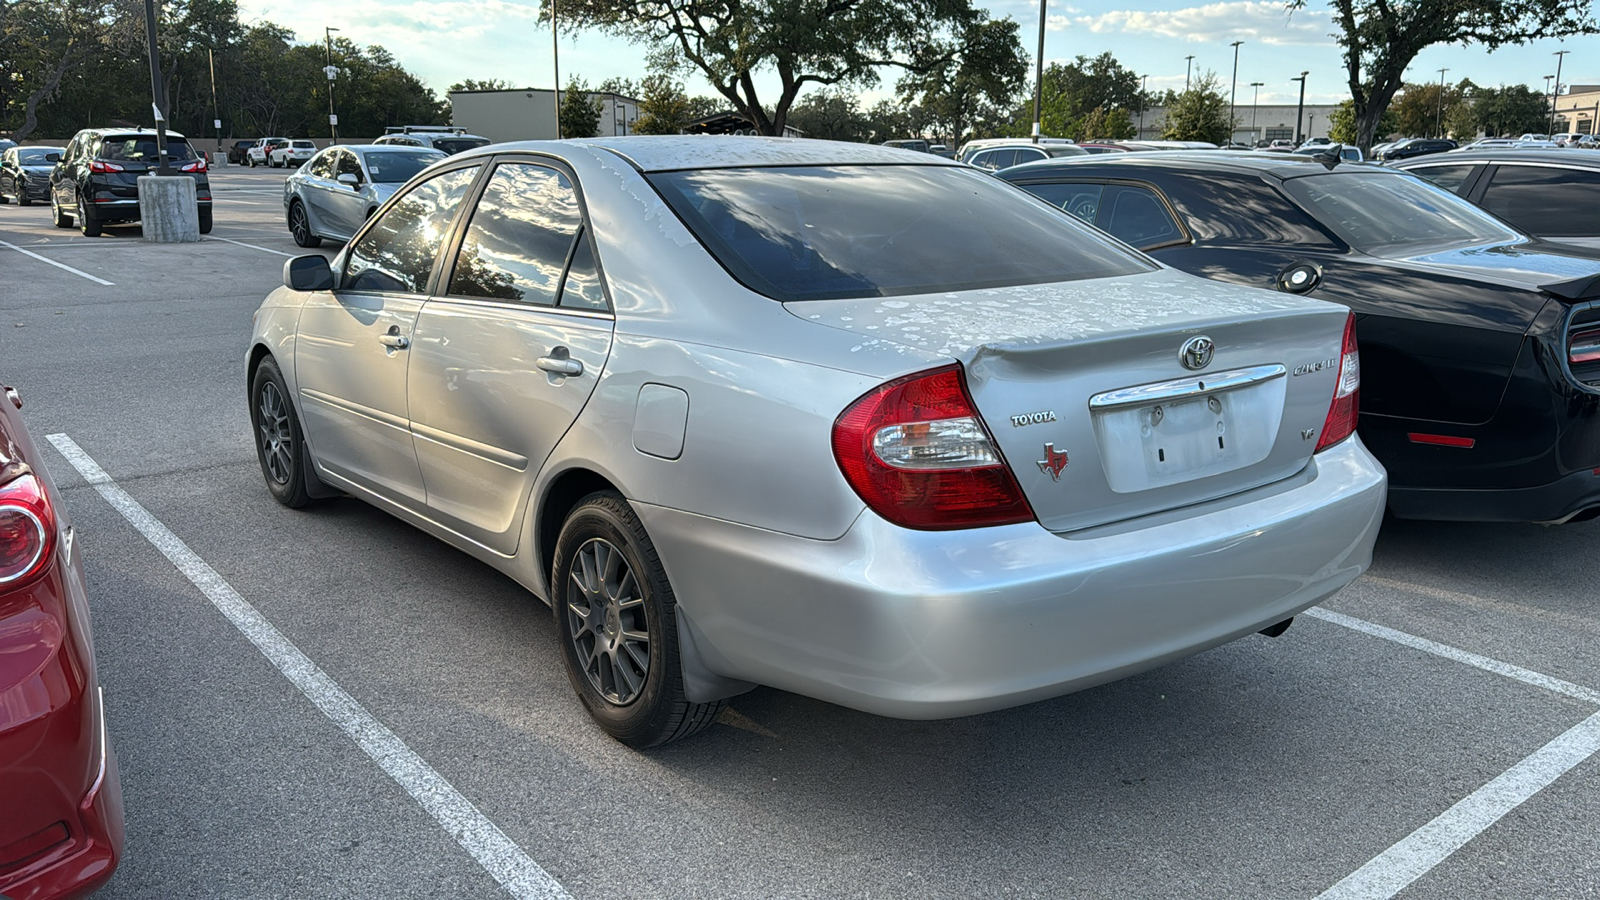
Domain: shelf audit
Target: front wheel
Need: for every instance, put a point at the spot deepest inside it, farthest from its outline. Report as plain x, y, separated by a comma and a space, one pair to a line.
300, 226
616, 618
278, 436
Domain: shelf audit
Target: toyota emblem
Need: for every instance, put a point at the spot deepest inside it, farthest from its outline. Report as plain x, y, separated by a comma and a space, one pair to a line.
1196, 352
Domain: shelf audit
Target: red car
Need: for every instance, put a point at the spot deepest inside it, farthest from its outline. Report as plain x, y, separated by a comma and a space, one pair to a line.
60, 796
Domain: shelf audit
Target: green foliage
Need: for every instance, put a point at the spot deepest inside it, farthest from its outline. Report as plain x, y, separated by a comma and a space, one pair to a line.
1342, 124
972, 89
1513, 110
799, 42
487, 84
1101, 124
1199, 113
580, 115
1073, 92
663, 106
830, 114
1417, 111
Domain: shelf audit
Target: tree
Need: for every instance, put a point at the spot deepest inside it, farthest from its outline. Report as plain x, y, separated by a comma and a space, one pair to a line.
1073, 91
663, 105
487, 84
1419, 112
624, 87
580, 115
1382, 37
1342, 124
1101, 124
1199, 113
1517, 109
841, 42
977, 84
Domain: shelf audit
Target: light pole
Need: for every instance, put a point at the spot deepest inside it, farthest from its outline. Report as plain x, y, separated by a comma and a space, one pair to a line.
1234, 90
1144, 88
1561, 57
1438, 124
1255, 100
1038, 77
555, 58
216, 117
1188, 66
1547, 90
1299, 110
330, 71
156, 94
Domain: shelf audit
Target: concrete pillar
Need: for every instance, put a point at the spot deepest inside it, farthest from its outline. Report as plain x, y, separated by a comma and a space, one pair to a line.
168, 209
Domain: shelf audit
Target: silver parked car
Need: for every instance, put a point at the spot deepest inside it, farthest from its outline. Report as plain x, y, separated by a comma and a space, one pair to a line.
805, 414
343, 186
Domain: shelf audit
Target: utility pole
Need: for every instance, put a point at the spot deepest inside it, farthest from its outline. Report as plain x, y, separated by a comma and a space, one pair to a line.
1233, 91
157, 96
1038, 77
1255, 101
1300, 110
1561, 57
1144, 88
1439, 123
555, 57
1188, 66
1547, 90
330, 71
216, 117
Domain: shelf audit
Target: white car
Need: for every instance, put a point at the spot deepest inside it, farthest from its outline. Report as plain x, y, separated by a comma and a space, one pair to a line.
292, 155
257, 154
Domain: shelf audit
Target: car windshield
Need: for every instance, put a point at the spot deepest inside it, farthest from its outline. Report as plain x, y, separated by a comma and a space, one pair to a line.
826, 232
456, 145
35, 156
1380, 212
141, 148
396, 166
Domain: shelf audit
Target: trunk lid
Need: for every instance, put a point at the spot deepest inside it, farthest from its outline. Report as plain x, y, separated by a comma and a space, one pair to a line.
1082, 386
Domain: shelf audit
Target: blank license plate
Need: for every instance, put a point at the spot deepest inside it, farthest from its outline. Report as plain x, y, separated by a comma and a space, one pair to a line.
1168, 443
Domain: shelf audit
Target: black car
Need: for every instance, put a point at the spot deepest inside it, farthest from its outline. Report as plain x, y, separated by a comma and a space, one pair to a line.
1414, 147
1552, 194
25, 173
1480, 345
239, 153
97, 180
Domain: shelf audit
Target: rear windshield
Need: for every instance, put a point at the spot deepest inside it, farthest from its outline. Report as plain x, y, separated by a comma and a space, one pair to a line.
396, 166
35, 156
456, 145
141, 148
303, 145
825, 232
1378, 212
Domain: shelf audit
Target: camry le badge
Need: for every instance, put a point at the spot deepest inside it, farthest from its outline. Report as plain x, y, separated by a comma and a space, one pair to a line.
1196, 352
1054, 461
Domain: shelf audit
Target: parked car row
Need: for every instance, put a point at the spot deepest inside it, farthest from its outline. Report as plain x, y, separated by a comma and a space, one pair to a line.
94, 180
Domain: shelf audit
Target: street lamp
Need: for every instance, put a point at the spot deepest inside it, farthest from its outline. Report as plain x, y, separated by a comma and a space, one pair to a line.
330, 71
1038, 77
1254, 101
1438, 124
157, 95
1301, 108
1561, 57
555, 59
1144, 88
1234, 89
1188, 66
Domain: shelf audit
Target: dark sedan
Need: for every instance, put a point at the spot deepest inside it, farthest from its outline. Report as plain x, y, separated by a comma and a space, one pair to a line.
1481, 345
1411, 147
1549, 194
239, 151
25, 173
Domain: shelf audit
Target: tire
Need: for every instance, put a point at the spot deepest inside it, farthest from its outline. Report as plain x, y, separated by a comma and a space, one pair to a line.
62, 219
280, 444
4, 199
23, 199
609, 590
300, 227
89, 225
252, 162
205, 221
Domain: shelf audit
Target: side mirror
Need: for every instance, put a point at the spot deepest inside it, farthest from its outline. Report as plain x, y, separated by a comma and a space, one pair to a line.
349, 178
52, 157
308, 273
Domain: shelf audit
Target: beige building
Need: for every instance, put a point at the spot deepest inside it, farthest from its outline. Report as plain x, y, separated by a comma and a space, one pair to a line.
1578, 109
529, 114
1255, 123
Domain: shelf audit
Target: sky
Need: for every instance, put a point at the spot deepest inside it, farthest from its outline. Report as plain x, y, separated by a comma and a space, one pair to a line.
445, 41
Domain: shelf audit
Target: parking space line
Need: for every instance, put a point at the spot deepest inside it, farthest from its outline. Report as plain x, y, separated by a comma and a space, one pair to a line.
1526, 676
500, 856
52, 262
251, 246
1389, 872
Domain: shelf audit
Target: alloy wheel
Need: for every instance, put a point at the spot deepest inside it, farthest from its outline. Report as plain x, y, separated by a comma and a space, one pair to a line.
607, 622
298, 224
277, 440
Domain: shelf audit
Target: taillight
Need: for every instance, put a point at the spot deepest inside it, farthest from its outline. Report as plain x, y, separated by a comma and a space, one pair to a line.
27, 531
1584, 347
1345, 408
198, 165
919, 456
101, 166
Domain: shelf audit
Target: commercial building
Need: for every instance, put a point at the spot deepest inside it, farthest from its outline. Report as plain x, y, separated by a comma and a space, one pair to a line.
529, 114
1578, 109
1253, 123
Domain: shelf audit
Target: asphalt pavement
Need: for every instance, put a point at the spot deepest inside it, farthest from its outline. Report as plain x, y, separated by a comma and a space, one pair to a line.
1425, 733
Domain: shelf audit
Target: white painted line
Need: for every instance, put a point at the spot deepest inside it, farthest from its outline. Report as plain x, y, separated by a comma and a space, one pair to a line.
1518, 673
251, 246
56, 264
1389, 872
497, 854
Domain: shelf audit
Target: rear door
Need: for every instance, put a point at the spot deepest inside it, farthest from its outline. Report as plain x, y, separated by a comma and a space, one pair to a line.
1551, 201
354, 342
507, 357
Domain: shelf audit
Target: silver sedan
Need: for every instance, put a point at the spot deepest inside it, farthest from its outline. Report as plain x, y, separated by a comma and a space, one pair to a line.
861, 424
330, 196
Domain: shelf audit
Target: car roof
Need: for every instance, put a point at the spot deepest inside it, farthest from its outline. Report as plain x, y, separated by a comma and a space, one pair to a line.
1577, 158
1279, 165
141, 132
662, 153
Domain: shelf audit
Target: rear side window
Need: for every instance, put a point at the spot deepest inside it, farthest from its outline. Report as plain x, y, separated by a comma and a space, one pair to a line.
824, 232
456, 145
1544, 200
1082, 200
1448, 177
995, 159
397, 253
322, 165
1378, 213
140, 148
520, 238
1136, 215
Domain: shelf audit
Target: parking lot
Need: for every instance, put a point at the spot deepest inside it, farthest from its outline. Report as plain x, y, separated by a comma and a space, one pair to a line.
329, 703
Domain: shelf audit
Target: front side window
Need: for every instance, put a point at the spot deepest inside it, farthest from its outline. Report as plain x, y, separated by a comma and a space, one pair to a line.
1545, 200
347, 165
1379, 213
824, 232
397, 253
520, 236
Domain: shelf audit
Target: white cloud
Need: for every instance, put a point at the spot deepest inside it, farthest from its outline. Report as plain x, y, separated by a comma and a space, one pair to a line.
1257, 21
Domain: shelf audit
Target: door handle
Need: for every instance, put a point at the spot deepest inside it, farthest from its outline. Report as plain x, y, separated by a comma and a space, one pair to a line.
560, 365
397, 341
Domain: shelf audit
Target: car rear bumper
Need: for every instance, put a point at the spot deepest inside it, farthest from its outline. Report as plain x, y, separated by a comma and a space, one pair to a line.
1558, 501
924, 625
